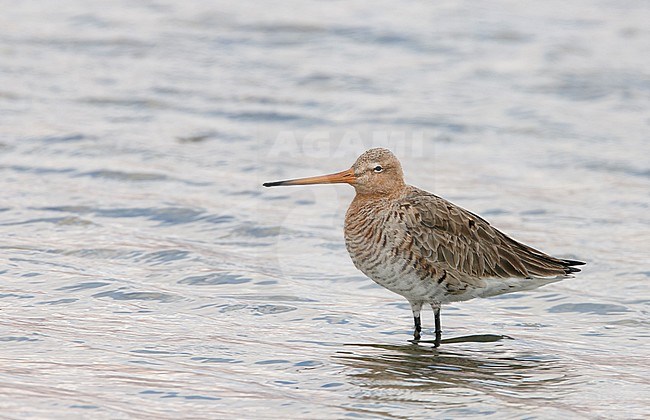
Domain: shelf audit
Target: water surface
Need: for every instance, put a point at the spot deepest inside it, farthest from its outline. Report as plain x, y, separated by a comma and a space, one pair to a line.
145, 273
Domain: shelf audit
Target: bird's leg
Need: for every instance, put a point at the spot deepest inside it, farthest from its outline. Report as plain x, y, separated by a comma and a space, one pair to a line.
436, 316
416, 307
418, 328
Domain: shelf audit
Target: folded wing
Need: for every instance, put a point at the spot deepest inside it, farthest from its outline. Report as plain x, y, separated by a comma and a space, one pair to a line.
463, 242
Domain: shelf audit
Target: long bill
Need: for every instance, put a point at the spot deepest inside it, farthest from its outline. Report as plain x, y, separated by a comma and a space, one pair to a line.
344, 177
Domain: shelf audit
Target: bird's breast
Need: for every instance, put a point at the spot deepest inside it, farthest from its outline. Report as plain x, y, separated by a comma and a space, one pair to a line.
382, 249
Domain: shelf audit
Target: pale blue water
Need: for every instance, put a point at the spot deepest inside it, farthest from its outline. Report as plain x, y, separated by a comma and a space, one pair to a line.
145, 273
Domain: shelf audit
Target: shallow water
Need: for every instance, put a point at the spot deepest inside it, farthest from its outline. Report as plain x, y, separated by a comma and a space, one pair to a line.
145, 272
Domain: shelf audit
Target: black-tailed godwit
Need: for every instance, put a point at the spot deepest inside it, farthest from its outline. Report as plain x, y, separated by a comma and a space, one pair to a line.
427, 249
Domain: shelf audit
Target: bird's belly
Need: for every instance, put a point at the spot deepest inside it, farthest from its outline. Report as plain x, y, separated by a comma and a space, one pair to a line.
397, 275
408, 285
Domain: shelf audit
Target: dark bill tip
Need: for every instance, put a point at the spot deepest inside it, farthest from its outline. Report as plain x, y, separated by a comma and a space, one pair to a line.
272, 184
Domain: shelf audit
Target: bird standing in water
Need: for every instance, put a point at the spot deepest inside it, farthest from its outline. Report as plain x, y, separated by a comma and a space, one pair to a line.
427, 249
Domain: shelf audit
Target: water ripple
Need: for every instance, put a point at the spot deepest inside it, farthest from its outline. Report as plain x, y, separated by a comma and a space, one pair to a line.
215, 279
588, 308
164, 215
146, 296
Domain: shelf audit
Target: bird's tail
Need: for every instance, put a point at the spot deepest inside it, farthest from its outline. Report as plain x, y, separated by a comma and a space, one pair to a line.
569, 266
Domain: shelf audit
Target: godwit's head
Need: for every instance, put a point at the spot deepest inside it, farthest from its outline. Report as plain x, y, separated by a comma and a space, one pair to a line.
377, 172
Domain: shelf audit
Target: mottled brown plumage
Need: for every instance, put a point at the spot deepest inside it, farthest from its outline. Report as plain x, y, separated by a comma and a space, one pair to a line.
427, 249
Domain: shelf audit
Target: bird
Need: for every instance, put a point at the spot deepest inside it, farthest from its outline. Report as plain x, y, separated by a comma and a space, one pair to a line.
427, 249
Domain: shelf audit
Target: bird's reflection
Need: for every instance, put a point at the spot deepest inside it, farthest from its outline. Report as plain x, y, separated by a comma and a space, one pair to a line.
476, 338
491, 369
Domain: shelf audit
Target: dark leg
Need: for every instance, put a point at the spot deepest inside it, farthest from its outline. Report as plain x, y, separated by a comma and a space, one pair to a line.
436, 315
418, 328
416, 307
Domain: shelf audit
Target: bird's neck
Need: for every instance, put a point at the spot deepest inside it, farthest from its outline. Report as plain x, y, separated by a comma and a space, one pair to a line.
369, 197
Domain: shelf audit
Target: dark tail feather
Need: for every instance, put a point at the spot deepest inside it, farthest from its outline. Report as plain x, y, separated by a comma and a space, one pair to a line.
573, 262
568, 266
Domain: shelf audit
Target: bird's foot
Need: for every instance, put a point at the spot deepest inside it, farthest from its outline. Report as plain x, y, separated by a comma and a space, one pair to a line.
416, 337
436, 343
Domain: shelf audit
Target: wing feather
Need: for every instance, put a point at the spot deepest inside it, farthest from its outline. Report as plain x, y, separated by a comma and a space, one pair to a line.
459, 240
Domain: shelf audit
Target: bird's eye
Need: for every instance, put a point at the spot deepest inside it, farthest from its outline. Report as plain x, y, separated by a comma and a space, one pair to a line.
378, 169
